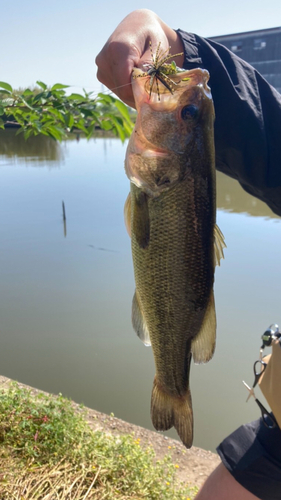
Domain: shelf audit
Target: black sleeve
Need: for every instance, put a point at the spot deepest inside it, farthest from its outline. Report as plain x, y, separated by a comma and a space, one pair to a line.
248, 118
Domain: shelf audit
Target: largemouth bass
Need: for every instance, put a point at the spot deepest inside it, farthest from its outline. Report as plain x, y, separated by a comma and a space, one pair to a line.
170, 214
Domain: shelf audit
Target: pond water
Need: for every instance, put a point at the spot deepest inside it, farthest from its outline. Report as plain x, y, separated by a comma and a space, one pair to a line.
65, 293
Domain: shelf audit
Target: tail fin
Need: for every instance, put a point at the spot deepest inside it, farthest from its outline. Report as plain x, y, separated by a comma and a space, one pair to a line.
168, 411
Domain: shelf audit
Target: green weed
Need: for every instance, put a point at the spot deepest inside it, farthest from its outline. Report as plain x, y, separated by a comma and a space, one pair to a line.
48, 450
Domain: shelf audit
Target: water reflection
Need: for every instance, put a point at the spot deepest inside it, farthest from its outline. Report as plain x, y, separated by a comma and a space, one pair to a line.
64, 219
232, 198
43, 151
65, 303
38, 151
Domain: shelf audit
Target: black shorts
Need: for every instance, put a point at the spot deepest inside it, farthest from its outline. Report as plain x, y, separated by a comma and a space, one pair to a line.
252, 454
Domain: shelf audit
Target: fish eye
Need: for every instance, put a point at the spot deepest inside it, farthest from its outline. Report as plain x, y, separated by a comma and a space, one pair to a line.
190, 111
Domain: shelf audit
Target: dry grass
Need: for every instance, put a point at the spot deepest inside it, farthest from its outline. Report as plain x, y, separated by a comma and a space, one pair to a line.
62, 481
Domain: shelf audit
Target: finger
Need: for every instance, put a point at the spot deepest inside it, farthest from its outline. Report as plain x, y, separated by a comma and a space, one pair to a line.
115, 64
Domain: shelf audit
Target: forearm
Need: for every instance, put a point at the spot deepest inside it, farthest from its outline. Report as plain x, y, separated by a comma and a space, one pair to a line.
248, 119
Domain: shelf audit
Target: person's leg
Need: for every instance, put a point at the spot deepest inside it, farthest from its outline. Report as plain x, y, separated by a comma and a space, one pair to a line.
221, 485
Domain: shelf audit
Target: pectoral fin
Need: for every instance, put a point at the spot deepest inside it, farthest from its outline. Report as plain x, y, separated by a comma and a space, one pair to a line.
203, 345
140, 222
219, 245
139, 323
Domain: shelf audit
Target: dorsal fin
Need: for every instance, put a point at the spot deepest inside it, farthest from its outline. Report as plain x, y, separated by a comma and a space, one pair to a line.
219, 244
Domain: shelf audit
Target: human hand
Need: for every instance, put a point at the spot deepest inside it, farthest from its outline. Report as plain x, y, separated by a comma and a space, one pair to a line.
128, 47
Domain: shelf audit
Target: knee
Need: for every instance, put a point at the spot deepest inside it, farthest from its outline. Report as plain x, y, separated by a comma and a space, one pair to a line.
221, 485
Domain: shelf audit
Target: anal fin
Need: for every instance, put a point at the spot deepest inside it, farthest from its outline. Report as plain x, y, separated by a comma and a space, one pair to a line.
203, 345
139, 323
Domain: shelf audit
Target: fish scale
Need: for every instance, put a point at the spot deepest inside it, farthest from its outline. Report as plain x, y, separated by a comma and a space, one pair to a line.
166, 276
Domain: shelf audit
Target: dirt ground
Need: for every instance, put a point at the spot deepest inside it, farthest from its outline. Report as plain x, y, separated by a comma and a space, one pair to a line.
194, 465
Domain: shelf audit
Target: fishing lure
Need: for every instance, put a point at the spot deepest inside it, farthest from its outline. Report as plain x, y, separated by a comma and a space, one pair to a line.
160, 69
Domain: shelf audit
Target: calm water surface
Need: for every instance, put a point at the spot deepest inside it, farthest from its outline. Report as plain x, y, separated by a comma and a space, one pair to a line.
65, 313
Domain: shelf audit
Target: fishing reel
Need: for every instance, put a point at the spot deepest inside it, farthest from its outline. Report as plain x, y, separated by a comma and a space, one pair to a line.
271, 334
